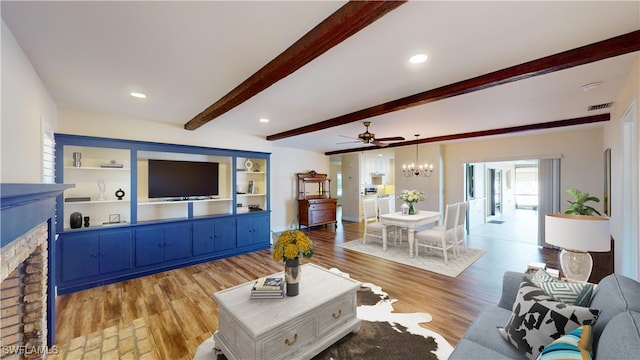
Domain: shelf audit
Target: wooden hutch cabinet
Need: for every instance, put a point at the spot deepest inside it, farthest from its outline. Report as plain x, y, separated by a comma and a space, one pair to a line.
315, 205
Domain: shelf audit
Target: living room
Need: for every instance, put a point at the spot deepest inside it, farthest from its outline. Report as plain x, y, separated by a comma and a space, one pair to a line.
32, 106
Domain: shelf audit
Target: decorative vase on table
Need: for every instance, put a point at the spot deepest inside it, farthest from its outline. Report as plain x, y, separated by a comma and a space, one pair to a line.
411, 197
412, 208
290, 247
292, 276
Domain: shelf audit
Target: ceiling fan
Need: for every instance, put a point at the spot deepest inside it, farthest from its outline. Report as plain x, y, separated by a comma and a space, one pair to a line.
370, 138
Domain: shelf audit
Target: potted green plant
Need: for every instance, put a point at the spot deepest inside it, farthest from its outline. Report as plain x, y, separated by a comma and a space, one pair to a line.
578, 231
578, 206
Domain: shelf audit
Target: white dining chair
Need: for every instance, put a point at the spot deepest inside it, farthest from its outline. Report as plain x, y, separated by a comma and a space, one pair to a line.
384, 208
460, 232
372, 225
440, 238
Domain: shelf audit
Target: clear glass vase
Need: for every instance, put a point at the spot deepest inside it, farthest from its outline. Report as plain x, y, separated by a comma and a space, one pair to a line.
412, 209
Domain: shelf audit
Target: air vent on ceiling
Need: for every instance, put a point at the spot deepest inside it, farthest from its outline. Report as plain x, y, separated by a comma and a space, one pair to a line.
600, 106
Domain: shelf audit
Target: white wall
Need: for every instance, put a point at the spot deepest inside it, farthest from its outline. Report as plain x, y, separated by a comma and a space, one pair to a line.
333, 175
351, 187
285, 164
581, 164
427, 153
626, 263
27, 107
81, 122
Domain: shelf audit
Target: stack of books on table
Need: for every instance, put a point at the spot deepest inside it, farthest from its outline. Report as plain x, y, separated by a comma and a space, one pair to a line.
268, 288
534, 266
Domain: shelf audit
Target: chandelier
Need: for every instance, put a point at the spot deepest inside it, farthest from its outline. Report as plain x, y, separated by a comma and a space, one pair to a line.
425, 169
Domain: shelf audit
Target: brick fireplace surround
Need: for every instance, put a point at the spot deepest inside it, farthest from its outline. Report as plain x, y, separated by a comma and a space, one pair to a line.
27, 296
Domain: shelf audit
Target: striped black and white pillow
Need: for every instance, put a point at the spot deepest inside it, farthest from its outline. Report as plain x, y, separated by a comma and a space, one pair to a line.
573, 293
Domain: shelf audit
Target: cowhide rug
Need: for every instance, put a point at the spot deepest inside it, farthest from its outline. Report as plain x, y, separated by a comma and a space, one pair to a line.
383, 334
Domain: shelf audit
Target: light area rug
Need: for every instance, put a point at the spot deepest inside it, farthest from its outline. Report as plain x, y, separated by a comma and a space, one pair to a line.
383, 334
430, 260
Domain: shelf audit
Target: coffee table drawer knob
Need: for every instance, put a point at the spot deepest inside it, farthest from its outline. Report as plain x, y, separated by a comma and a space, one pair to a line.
338, 315
291, 343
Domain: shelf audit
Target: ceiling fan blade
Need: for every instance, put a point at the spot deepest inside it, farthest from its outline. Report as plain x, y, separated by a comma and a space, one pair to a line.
370, 138
394, 138
349, 137
349, 142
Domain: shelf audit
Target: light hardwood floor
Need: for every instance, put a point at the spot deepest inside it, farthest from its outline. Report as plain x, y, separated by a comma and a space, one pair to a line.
181, 313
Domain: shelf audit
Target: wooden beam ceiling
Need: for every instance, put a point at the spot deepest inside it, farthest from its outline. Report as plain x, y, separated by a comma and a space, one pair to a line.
482, 133
601, 50
346, 21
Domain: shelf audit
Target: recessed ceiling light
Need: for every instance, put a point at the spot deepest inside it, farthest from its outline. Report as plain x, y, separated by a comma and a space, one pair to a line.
417, 59
264, 120
138, 95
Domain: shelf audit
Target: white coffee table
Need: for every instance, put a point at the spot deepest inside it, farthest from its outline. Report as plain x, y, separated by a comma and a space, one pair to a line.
296, 327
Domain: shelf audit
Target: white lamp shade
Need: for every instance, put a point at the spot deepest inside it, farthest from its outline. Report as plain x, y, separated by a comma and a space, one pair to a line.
578, 232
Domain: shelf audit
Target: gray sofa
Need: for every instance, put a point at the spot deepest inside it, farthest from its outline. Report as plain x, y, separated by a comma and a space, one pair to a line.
616, 332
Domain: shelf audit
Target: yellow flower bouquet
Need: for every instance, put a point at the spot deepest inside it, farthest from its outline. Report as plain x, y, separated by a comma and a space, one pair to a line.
292, 244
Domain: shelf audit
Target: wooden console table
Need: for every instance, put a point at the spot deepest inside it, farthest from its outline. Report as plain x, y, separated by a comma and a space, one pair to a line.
315, 205
297, 327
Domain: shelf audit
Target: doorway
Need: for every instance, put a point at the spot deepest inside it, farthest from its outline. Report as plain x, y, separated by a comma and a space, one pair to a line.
495, 192
503, 203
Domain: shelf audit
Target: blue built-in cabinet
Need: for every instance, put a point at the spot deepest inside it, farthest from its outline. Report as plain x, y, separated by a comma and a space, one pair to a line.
95, 254
125, 234
214, 235
160, 244
251, 230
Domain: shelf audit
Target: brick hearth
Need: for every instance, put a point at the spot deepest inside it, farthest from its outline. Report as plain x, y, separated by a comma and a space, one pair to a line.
23, 296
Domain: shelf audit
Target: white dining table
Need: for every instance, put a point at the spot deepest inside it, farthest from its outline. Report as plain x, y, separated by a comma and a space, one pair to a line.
410, 222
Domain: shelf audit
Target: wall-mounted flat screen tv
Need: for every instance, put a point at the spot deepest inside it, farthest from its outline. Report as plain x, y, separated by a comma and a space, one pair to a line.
182, 179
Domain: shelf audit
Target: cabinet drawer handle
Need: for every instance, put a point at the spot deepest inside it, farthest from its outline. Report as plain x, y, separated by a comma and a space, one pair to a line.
291, 343
337, 316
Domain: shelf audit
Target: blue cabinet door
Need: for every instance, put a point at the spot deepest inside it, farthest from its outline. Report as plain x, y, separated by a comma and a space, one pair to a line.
224, 234
79, 256
115, 251
245, 231
177, 242
263, 230
253, 230
203, 237
149, 246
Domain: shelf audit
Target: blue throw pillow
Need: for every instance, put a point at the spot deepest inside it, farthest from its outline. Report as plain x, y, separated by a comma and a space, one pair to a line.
574, 345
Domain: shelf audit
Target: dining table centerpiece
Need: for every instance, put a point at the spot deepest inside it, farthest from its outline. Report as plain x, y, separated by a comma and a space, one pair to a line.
411, 197
290, 247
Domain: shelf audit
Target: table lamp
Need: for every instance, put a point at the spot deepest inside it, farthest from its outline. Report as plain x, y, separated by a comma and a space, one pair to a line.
577, 234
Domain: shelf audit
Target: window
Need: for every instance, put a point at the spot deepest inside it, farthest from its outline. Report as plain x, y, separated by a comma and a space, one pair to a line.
526, 187
48, 157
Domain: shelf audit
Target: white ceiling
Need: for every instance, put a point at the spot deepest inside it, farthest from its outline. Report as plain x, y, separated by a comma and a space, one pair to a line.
187, 55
